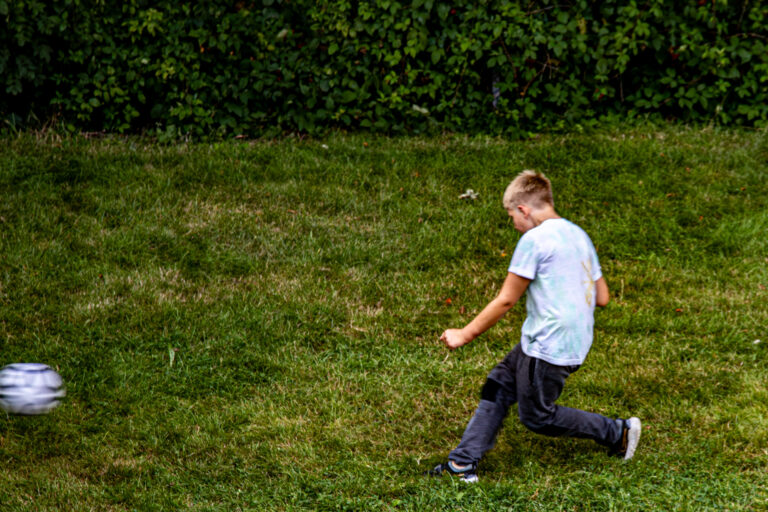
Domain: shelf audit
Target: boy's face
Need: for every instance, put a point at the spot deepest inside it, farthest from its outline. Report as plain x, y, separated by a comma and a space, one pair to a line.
521, 218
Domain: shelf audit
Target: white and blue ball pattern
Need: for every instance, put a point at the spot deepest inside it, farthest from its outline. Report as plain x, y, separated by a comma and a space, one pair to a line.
30, 388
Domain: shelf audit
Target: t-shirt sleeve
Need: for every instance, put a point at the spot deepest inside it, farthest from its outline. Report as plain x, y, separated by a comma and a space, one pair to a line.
525, 260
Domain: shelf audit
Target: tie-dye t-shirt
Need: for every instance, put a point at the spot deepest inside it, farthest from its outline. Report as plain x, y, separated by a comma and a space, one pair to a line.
562, 264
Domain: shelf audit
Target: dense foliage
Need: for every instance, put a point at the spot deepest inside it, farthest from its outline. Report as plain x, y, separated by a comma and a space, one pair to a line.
261, 68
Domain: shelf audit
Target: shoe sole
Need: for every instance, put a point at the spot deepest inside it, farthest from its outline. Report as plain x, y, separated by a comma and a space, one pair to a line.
633, 437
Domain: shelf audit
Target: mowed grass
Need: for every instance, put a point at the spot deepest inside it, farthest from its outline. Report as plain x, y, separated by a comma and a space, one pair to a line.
253, 325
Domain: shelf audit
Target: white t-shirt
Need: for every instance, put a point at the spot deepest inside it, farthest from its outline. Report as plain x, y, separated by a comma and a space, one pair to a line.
559, 258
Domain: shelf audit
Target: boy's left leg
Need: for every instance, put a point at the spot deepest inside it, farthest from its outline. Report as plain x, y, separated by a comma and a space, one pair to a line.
497, 395
539, 385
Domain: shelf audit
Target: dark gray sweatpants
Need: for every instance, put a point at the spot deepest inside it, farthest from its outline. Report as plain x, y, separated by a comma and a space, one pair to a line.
535, 385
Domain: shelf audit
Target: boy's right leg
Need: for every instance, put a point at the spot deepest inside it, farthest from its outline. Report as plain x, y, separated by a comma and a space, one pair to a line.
539, 386
497, 395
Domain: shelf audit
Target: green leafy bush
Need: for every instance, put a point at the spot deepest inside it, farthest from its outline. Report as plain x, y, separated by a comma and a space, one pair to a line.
263, 68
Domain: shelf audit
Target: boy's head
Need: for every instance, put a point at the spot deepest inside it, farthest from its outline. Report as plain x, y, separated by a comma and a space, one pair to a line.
529, 188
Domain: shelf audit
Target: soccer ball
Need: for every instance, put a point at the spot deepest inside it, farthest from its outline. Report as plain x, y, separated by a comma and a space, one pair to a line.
30, 388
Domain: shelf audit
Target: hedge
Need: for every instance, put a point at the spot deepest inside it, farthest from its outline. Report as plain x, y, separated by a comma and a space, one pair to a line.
264, 68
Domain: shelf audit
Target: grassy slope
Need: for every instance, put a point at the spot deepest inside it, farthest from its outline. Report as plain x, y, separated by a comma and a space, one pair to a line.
255, 325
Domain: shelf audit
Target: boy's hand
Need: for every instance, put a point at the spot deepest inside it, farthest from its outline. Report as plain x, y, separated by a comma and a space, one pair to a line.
454, 338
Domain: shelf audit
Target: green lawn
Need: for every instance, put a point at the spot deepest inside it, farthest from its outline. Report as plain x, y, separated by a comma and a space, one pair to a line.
253, 325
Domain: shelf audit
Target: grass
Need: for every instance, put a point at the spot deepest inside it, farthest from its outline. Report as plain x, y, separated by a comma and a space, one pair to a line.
253, 326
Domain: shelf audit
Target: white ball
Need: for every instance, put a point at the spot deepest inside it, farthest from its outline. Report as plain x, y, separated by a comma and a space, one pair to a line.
30, 388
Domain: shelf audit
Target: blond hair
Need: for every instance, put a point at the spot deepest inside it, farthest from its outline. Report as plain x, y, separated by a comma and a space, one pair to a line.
531, 188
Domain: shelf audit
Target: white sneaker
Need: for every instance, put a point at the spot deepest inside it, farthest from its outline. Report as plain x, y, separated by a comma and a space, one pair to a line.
632, 430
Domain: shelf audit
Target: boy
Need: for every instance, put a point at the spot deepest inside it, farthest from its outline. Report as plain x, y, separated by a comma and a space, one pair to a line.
556, 263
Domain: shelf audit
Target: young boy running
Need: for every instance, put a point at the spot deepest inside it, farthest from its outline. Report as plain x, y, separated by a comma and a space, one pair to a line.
556, 263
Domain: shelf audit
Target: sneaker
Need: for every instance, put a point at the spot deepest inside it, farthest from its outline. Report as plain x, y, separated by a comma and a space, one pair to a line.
630, 437
466, 474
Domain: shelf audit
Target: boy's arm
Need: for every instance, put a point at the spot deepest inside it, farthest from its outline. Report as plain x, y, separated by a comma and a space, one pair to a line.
513, 288
602, 296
